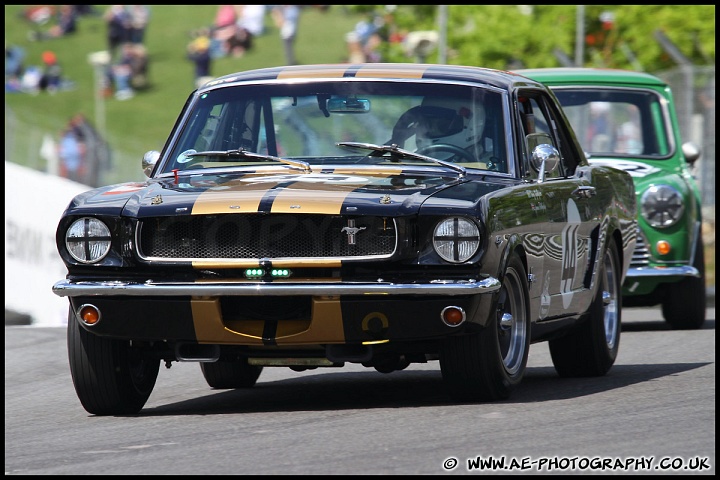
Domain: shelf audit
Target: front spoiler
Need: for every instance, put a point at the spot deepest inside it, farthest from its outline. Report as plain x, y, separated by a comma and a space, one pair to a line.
70, 288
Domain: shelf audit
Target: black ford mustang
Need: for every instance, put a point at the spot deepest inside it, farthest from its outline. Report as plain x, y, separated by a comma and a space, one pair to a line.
379, 214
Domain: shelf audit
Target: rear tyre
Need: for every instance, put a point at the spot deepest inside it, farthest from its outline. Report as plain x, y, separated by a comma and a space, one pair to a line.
489, 365
230, 374
684, 306
110, 376
591, 349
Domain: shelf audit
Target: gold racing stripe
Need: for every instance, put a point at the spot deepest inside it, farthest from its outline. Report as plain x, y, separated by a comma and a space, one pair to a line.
324, 326
323, 197
235, 197
338, 71
331, 71
245, 195
389, 71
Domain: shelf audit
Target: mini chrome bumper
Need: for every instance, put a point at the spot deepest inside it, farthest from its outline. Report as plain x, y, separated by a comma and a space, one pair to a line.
683, 271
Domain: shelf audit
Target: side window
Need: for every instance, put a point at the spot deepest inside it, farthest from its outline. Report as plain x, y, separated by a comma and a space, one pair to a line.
536, 127
549, 120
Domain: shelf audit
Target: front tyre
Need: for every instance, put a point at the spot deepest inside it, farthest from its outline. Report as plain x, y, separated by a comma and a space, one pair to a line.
591, 349
111, 377
685, 303
489, 365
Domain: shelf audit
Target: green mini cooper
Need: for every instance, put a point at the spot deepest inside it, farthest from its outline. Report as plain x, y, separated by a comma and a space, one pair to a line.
628, 120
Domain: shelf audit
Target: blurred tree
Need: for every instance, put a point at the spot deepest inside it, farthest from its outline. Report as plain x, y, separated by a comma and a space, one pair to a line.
616, 36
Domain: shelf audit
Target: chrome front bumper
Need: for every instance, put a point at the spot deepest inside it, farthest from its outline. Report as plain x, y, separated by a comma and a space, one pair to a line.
68, 288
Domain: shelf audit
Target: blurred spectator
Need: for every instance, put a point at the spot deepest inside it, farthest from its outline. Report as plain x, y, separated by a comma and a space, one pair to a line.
598, 135
225, 16
224, 30
14, 67
130, 71
252, 19
122, 71
117, 20
629, 136
287, 18
198, 51
250, 24
96, 150
364, 41
139, 65
39, 14
30, 81
139, 17
71, 152
66, 25
51, 78
356, 54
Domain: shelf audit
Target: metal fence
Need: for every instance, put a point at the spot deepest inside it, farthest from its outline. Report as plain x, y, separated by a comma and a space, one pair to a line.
694, 92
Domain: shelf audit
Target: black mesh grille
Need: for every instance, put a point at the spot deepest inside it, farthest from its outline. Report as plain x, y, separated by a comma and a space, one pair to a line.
255, 236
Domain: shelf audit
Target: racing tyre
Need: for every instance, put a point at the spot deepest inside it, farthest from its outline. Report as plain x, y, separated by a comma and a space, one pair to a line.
684, 307
230, 374
110, 376
591, 349
488, 365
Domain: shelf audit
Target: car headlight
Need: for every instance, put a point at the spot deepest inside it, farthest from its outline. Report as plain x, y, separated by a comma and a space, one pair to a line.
662, 206
456, 239
88, 240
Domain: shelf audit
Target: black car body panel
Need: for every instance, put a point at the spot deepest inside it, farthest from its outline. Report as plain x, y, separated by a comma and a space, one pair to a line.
290, 221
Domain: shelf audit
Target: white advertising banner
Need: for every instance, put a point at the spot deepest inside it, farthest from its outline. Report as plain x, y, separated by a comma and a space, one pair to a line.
34, 202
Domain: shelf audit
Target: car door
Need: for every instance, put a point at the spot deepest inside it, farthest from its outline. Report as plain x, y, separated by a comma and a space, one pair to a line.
566, 197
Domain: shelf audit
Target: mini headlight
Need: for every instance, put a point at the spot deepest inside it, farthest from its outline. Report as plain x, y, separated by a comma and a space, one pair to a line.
662, 206
88, 240
456, 239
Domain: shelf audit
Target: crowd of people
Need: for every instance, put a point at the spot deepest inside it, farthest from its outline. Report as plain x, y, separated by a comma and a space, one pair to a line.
231, 33
126, 69
81, 153
127, 72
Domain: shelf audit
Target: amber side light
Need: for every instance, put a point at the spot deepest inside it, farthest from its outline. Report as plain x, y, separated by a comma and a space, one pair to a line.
663, 247
453, 316
89, 314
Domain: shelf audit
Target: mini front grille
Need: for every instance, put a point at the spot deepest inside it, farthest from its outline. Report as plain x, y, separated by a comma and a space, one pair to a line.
641, 254
265, 236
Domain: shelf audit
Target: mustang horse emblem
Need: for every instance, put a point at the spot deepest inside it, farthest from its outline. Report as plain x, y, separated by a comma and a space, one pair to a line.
351, 231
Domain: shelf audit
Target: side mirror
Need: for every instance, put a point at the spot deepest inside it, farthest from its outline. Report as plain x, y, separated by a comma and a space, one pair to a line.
149, 160
691, 152
545, 159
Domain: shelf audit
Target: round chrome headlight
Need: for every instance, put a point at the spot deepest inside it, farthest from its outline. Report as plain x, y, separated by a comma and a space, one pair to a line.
88, 240
662, 206
456, 239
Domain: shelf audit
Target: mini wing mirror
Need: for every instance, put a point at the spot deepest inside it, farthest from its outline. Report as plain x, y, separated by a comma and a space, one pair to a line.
148, 162
691, 151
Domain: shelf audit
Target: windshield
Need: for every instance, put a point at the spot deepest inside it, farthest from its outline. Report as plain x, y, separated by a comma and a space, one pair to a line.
318, 123
617, 122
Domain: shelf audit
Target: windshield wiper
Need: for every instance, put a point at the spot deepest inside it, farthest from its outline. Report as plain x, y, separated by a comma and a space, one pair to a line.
248, 154
398, 152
